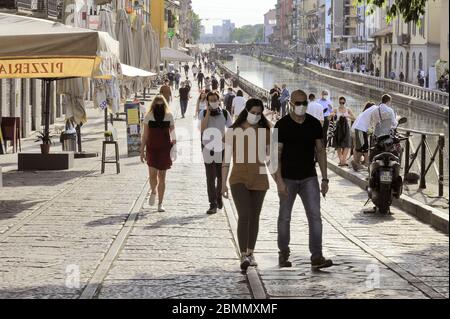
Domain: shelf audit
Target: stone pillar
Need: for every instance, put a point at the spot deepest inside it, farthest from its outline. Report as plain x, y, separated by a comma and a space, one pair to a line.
36, 104
52, 102
3, 97
25, 108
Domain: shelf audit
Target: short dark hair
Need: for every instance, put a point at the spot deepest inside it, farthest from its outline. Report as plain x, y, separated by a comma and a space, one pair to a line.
342, 98
211, 94
311, 96
385, 98
240, 93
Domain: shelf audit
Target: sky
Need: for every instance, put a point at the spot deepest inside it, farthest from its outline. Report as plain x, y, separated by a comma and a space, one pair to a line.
241, 12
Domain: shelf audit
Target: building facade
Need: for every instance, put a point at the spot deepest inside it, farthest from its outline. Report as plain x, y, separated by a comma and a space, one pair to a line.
270, 21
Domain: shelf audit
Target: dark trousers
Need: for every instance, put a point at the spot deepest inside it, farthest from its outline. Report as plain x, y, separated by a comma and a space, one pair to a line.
248, 204
214, 183
183, 104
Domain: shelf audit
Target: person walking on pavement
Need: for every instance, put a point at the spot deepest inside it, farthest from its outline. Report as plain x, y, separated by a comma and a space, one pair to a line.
342, 140
248, 179
213, 120
299, 138
200, 78
228, 99
214, 84
171, 77
222, 84
327, 107
201, 104
186, 69
194, 71
275, 104
238, 104
360, 128
208, 83
315, 109
184, 98
158, 140
284, 98
166, 91
177, 79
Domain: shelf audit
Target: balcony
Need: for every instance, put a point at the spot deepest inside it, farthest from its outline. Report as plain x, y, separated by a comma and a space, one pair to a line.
403, 39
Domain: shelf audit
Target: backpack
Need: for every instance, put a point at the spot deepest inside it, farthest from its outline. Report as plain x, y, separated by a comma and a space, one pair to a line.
225, 114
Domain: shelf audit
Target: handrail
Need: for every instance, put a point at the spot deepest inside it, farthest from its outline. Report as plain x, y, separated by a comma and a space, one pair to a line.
423, 147
408, 89
400, 129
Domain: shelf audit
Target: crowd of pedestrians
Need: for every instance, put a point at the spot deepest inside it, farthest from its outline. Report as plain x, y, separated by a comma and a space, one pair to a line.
241, 147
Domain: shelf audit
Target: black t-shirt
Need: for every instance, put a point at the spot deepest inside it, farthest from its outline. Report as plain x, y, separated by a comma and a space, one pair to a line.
171, 76
275, 97
214, 84
184, 93
200, 76
299, 141
222, 83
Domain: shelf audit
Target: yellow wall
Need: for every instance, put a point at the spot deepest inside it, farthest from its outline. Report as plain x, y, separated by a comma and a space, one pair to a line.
157, 19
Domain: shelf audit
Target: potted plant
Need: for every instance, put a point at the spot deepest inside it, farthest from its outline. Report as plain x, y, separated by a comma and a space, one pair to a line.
108, 136
46, 142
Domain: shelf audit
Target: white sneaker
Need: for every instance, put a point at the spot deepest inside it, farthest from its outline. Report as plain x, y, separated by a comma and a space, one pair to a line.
161, 208
252, 261
152, 199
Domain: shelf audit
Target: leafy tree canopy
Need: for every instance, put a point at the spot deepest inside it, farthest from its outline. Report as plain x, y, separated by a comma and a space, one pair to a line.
409, 10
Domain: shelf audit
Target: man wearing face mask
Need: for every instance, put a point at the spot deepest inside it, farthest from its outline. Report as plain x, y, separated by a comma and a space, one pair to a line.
327, 110
213, 121
299, 138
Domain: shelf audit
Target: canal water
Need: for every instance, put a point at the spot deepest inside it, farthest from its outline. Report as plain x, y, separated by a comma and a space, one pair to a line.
264, 75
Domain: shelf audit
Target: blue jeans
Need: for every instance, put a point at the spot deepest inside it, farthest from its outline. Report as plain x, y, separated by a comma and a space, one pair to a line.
183, 104
309, 191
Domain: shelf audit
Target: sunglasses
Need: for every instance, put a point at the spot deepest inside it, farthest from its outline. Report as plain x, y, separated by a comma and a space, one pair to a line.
304, 103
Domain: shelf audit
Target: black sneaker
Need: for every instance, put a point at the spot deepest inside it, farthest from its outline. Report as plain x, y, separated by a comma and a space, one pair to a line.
212, 210
321, 262
283, 259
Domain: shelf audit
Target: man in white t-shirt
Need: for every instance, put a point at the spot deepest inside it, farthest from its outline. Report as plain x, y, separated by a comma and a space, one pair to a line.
315, 109
360, 128
383, 118
238, 104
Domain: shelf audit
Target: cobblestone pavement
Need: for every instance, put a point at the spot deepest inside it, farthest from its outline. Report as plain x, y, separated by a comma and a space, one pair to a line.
375, 256
56, 225
58, 228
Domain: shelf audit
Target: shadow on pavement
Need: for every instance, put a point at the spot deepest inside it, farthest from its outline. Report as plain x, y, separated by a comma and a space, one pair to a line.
10, 208
39, 178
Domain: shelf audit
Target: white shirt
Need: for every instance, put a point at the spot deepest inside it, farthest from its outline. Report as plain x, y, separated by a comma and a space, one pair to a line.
238, 104
386, 113
315, 109
362, 122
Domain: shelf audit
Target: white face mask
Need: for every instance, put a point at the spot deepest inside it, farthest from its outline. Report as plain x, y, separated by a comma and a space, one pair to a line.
214, 105
325, 97
253, 119
300, 110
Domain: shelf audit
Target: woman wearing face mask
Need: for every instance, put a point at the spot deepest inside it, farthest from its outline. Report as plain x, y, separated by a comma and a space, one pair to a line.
201, 104
342, 140
157, 141
248, 179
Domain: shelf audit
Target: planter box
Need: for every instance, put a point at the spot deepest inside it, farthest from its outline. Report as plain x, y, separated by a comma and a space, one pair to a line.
45, 162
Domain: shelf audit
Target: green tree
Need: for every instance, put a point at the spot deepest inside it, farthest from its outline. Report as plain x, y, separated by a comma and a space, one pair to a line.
409, 10
196, 26
248, 34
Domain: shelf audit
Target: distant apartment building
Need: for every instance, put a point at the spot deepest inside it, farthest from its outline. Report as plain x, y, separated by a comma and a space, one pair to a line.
270, 21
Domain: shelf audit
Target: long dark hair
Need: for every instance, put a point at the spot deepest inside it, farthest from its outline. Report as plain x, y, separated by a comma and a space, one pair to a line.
368, 104
243, 115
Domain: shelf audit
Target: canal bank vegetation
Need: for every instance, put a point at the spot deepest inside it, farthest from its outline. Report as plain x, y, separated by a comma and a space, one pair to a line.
248, 34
